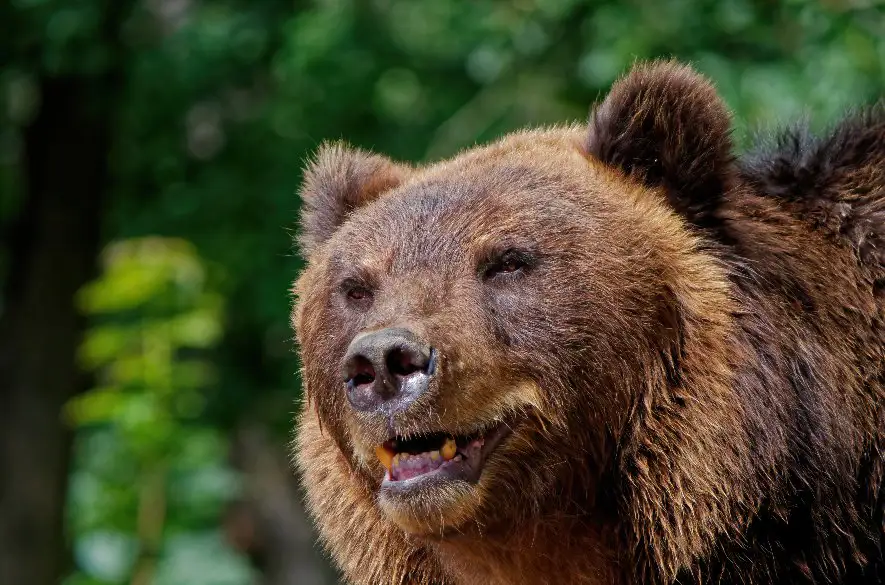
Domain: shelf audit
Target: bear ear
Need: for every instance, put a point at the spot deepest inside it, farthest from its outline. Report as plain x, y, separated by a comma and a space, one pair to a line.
665, 125
337, 181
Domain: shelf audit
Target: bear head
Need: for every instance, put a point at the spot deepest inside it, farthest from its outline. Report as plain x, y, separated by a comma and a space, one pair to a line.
485, 340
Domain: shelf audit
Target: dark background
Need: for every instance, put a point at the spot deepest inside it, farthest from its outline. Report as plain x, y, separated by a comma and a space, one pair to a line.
150, 153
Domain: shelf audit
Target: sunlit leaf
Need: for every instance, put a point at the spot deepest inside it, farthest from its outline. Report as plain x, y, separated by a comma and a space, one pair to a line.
199, 328
137, 271
96, 406
103, 343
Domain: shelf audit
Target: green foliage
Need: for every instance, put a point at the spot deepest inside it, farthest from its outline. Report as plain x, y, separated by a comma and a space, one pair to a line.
149, 474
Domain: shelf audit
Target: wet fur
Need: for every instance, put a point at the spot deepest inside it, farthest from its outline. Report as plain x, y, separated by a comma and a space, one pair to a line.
732, 428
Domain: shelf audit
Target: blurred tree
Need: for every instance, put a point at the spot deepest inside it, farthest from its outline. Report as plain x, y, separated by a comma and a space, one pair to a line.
74, 68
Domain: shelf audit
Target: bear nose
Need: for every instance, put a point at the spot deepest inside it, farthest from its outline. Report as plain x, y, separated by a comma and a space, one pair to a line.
387, 369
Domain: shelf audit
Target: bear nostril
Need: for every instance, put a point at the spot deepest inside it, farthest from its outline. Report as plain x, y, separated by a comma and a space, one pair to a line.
361, 371
402, 363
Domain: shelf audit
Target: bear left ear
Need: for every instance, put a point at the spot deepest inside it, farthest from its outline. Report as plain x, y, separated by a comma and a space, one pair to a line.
338, 181
665, 125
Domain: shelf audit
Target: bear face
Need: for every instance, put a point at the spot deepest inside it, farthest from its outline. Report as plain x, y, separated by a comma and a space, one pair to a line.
542, 338
519, 278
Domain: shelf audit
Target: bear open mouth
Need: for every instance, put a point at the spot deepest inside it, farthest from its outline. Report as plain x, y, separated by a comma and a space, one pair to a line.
440, 455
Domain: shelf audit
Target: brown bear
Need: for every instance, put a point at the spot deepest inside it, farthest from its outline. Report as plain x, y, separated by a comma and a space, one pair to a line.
616, 354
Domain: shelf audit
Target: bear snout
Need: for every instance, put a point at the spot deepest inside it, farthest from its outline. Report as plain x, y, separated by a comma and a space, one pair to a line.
387, 370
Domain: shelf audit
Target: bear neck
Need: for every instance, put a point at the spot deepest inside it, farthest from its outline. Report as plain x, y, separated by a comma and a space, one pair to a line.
565, 548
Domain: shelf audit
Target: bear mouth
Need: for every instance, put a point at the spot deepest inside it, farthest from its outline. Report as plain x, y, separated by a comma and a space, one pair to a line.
441, 456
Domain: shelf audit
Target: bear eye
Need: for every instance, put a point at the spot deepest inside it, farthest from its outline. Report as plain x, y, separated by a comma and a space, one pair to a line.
355, 291
508, 263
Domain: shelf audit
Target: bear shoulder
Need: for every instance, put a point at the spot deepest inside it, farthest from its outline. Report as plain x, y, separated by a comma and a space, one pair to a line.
837, 180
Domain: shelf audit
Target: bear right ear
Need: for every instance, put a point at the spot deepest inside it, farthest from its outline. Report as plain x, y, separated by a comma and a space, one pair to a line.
665, 125
339, 180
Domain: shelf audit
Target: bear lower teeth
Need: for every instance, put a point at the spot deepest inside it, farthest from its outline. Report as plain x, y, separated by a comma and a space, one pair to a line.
405, 466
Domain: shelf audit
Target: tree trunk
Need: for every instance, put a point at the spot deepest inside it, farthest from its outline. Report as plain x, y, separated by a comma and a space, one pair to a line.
53, 245
269, 524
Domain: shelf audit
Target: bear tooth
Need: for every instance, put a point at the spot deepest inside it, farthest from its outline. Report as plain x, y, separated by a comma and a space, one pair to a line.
448, 449
396, 460
385, 456
434, 455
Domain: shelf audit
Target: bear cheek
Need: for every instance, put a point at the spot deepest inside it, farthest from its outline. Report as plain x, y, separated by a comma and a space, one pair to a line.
321, 354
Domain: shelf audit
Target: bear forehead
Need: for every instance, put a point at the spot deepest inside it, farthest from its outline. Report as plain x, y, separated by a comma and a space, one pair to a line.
443, 222
487, 198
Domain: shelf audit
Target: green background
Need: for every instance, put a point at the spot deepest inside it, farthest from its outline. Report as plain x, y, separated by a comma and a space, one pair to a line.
150, 154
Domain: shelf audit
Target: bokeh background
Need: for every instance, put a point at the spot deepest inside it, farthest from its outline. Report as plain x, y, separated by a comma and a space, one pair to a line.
150, 153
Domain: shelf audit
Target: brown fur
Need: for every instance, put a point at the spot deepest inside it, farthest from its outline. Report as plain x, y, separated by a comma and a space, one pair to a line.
694, 364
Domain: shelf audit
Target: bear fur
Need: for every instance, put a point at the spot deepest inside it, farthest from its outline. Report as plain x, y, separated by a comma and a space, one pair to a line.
691, 358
